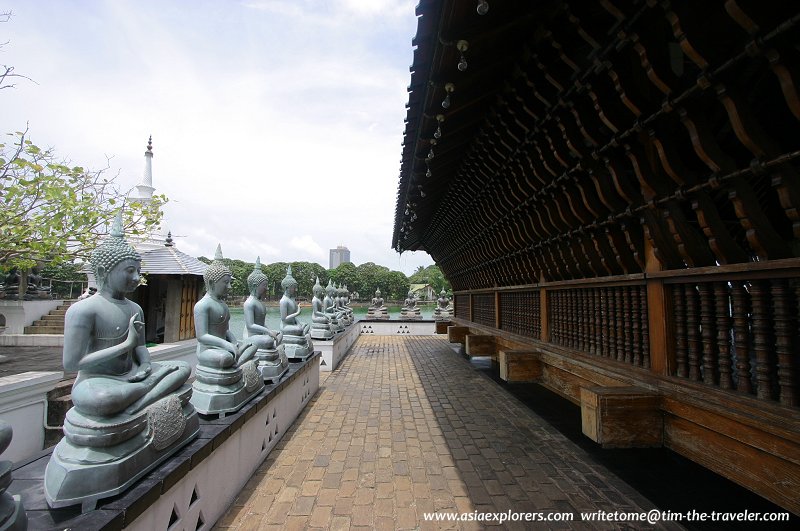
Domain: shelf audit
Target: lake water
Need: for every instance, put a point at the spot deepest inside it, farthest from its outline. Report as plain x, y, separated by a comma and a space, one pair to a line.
274, 316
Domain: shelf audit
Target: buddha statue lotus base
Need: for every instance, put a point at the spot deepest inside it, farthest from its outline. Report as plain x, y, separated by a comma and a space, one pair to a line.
101, 457
410, 315
222, 391
321, 332
272, 364
377, 313
298, 347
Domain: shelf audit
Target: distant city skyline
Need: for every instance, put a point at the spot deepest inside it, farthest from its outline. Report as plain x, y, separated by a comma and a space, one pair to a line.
339, 256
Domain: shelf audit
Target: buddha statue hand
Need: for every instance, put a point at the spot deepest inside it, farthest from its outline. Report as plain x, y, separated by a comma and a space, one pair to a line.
134, 327
246, 352
143, 372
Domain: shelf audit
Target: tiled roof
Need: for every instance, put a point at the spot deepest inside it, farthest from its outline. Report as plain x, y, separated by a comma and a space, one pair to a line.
170, 261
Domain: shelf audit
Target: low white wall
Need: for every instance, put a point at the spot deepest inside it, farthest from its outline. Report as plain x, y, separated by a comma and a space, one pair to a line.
31, 340
20, 314
392, 328
217, 480
333, 351
23, 404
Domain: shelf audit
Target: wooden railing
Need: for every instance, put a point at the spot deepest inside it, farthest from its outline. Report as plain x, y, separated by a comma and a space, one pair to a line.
739, 331
605, 321
735, 328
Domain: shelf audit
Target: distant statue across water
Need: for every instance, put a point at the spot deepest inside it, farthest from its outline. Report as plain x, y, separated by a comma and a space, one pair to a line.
410, 309
443, 309
377, 310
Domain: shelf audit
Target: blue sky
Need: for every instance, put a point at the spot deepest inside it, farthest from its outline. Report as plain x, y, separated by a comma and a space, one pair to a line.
276, 124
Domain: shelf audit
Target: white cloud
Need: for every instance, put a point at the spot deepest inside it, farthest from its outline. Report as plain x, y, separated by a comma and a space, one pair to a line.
307, 244
276, 124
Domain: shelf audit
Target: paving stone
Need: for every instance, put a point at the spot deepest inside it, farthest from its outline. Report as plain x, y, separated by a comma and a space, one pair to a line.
416, 429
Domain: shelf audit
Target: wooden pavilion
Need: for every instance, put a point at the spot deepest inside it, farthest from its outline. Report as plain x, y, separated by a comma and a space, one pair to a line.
612, 190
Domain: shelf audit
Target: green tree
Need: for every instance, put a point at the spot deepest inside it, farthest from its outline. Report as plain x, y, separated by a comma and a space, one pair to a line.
345, 273
56, 212
368, 278
396, 285
430, 275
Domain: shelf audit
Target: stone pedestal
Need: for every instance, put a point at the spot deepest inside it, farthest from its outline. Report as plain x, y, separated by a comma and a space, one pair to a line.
298, 348
222, 391
12, 514
272, 363
101, 457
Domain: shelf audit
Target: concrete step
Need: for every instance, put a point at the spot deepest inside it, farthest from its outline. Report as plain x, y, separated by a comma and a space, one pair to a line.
44, 330
51, 317
58, 312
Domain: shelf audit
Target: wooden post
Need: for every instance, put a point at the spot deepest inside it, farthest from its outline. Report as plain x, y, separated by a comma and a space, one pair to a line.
517, 366
659, 318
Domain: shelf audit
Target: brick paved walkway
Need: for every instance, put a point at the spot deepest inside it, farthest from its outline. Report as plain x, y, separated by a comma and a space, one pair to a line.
406, 426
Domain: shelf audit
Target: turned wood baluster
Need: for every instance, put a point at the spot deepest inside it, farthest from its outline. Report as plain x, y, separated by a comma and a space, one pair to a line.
681, 348
645, 328
741, 337
626, 323
580, 323
692, 331
583, 336
618, 329
761, 339
636, 326
781, 304
591, 317
722, 300
605, 333
569, 330
555, 317
537, 311
576, 318
709, 370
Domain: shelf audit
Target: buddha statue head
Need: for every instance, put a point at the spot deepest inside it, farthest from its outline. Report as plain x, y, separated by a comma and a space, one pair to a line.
443, 294
217, 276
330, 290
377, 293
318, 290
256, 279
111, 252
289, 284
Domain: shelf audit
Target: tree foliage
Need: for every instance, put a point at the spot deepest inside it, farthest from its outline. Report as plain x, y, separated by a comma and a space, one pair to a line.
431, 275
56, 212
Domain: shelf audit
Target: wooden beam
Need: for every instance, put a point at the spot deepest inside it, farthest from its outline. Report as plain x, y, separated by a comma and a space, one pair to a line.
480, 345
442, 326
457, 334
517, 366
622, 417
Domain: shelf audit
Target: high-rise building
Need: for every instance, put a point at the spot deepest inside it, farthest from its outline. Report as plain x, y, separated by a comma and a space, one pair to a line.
339, 255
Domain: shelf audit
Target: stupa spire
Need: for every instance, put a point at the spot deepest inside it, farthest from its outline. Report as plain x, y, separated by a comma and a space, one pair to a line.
144, 190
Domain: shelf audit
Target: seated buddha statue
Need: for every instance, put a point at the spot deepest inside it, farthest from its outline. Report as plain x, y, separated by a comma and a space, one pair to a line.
377, 310
320, 323
296, 335
270, 357
35, 289
337, 322
347, 318
11, 284
410, 309
128, 413
443, 309
226, 377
